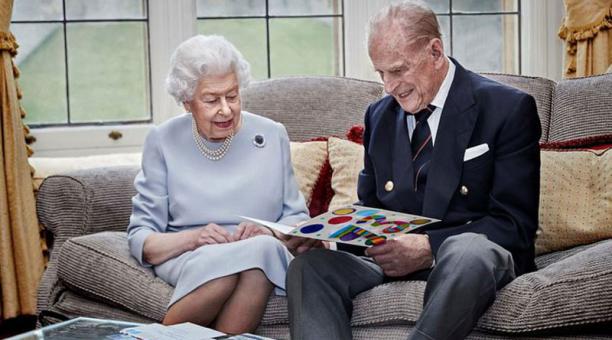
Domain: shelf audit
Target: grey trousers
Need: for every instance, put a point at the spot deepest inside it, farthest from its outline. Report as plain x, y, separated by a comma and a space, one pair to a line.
321, 285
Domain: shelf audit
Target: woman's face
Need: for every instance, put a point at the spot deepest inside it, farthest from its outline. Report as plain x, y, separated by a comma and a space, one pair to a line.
216, 106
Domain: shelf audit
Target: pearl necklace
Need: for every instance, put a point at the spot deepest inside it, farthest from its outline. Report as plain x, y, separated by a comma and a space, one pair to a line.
212, 154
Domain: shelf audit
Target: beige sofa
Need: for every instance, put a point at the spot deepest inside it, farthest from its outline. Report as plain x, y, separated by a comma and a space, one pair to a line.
91, 273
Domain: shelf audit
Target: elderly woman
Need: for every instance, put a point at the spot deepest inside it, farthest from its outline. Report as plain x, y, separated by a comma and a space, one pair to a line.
200, 172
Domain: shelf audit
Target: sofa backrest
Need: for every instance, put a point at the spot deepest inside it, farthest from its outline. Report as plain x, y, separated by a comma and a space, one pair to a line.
312, 106
541, 89
323, 106
91, 200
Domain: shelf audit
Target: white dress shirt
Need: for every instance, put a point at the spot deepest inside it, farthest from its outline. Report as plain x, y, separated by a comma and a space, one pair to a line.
438, 101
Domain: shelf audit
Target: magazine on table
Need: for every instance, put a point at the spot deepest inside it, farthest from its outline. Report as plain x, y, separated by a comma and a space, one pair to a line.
183, 331
353, 224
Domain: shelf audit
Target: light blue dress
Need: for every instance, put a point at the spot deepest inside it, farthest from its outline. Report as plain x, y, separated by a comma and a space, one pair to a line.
178, 188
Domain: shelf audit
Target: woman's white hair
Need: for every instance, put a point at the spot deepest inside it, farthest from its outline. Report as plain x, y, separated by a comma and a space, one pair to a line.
201, 56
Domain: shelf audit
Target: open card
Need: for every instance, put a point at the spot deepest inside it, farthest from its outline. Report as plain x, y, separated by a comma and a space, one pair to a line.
354, 224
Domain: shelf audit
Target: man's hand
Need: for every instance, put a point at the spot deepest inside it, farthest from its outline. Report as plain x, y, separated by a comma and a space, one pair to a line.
403, 255
248, 229
298, 245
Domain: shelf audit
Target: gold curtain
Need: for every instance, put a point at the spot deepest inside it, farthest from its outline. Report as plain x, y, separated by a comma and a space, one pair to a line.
21, 260
587, 31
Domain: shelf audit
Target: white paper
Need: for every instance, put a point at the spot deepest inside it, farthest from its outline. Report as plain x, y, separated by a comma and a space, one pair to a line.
184, 331
285, 229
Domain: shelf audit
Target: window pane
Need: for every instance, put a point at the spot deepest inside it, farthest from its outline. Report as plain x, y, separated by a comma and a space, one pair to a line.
105, 9
37, 10
306, 7
306, 46
438, 6
444, 21
228, 8
41, 61
486, 43
249, 37
475, 6
108, 73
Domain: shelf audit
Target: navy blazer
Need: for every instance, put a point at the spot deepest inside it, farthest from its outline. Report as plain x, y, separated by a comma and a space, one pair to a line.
502, 185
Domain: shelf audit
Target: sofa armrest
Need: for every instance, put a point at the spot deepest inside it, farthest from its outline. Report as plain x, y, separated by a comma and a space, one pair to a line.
80, 203
85, 202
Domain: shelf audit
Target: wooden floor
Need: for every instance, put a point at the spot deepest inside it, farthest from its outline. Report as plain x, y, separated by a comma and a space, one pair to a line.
17, 325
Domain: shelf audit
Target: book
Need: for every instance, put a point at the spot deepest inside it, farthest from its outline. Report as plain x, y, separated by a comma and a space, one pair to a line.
353, 224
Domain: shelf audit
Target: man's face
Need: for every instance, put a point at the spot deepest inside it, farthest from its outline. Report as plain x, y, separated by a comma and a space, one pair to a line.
409, 70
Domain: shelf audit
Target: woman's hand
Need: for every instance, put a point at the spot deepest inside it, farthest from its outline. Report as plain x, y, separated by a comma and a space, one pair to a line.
212, 234
248, 229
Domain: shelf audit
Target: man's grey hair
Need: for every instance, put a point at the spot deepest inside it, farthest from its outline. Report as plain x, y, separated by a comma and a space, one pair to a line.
201, 56
415, 19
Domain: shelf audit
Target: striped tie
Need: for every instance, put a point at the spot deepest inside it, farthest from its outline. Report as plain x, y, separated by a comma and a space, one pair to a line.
422, 150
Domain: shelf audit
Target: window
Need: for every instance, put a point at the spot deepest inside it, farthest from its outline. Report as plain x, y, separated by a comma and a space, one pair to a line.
280, 37
482, 34
83, 61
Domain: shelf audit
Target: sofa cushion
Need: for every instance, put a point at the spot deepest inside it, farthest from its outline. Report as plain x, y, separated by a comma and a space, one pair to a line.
575, 198
100, 266
571, 292
72, 305
346, 160
581, 100
308, 158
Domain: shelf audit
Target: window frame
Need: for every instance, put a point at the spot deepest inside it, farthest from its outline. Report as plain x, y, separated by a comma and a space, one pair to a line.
169, 23
65, 22
269, 17
452, 15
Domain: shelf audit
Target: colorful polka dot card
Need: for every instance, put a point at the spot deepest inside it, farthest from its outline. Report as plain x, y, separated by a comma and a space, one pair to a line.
358, 225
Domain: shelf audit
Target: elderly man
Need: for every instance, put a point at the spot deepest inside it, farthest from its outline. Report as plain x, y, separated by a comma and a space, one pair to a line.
448, 144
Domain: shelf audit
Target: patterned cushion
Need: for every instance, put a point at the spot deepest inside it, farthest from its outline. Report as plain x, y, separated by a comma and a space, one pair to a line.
346, 159
581, 108
308, 159
575, 199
